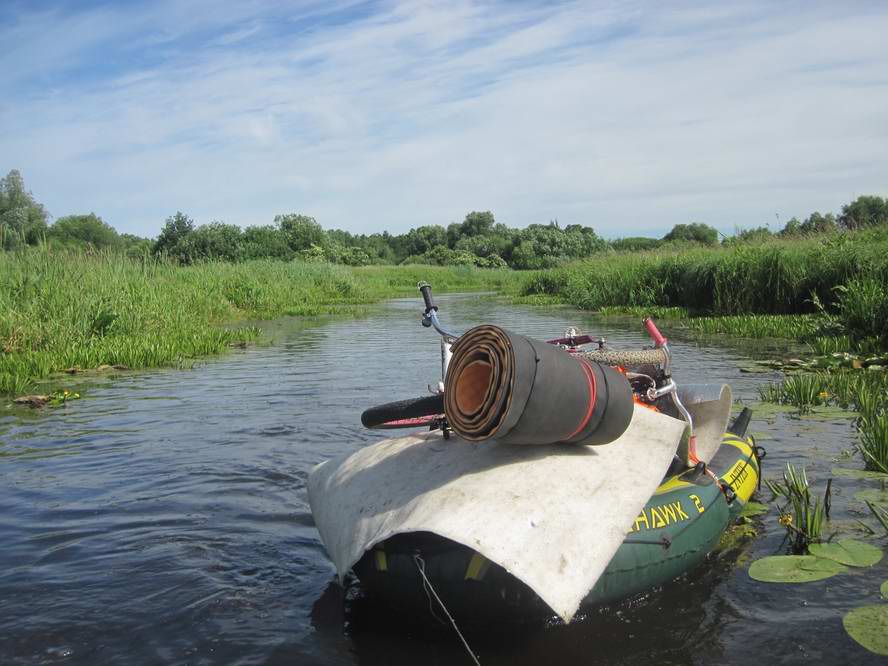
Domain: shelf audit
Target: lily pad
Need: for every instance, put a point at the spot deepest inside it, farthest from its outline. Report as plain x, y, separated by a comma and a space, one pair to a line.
754, 509
868, 625
875, 495
830, 413
861, 474
793, 569
848, 551
884, 590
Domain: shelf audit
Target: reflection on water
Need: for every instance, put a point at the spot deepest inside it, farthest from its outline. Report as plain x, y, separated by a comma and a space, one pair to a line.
164, 517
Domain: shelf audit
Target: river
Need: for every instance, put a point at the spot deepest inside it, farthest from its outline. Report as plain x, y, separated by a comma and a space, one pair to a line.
163, 517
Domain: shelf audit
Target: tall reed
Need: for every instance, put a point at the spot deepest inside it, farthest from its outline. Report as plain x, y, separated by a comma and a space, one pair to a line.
777, 277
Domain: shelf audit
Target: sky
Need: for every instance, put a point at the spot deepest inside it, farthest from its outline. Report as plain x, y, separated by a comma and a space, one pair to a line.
627, 117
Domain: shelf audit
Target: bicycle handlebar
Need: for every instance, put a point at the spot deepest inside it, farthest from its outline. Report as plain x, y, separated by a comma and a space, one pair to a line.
426, 289
654, 332
633, 358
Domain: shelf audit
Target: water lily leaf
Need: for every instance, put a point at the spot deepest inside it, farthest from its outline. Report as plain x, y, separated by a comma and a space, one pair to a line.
793, 569
861, 474
848, 551
875, 495
754, 509
884, 590
831, 412
868, 626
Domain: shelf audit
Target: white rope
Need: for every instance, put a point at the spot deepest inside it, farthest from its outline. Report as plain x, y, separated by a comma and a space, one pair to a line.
427, 585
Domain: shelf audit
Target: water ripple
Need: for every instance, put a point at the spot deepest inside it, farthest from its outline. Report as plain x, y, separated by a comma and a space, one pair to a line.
164, 519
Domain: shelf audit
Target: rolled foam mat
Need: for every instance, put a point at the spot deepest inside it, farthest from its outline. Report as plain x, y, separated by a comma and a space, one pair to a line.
518, 390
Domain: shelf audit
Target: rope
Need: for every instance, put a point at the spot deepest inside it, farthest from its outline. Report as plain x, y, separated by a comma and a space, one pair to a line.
427, 586
759, 453
665, 540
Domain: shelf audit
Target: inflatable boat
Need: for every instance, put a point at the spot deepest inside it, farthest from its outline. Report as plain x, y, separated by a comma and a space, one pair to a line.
551, 475
679, 525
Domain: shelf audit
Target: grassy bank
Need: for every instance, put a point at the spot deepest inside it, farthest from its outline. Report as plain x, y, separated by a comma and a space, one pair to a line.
843, 273
73, 310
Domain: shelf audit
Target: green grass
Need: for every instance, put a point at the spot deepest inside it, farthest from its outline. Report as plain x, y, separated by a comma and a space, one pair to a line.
60, 310
842, 274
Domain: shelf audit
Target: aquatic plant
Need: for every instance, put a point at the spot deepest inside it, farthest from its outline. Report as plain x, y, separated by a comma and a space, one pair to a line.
793, 569
804, 391
867, 625
825, 345
880, 513
874, 443
755, 325
803, 516
849, 552
655, 311
863, 390
824, 561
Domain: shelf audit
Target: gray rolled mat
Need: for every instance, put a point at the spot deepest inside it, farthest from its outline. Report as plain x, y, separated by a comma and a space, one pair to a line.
518, 390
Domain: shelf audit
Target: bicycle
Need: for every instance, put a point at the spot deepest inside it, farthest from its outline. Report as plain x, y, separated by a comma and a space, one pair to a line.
649, 372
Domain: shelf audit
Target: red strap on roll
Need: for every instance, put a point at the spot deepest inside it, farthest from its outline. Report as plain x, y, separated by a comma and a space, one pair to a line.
590, 377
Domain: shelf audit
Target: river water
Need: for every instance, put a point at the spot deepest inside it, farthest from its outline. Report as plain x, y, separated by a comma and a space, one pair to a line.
163, 518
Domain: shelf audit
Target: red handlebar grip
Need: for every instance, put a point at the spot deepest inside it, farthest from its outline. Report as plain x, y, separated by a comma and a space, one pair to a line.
655, 334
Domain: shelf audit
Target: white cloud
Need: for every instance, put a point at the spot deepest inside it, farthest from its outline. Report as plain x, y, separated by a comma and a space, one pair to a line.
628, 118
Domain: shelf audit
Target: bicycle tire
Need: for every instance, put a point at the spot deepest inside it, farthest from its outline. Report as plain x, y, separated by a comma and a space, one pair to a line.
410, 413
627, 357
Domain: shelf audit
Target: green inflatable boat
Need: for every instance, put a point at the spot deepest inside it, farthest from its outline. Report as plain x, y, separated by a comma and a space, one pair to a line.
550, 474
674, 532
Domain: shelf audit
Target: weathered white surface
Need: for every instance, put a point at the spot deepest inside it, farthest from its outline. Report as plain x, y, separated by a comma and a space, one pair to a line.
710, 409
552, 516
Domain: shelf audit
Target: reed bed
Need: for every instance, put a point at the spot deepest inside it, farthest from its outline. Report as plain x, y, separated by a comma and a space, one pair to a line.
842, 274
71, 310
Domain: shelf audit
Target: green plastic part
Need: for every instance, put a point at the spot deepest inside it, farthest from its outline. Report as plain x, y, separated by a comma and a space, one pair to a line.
793, 569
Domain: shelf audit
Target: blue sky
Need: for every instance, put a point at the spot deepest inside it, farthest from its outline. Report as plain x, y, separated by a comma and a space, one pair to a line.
628, 117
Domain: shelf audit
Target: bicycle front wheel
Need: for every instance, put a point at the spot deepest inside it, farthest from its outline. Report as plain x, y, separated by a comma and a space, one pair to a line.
411, 413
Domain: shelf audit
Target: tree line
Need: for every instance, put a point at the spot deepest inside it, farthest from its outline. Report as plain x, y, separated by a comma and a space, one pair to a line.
478, 240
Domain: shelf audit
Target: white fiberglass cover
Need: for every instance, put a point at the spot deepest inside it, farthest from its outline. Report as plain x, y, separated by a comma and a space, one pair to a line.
552, 516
